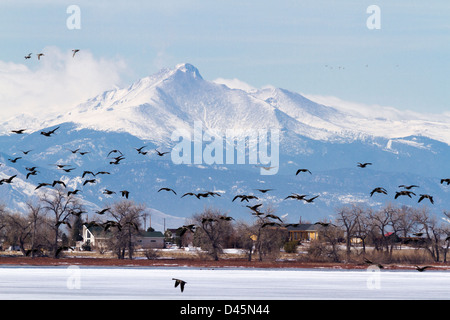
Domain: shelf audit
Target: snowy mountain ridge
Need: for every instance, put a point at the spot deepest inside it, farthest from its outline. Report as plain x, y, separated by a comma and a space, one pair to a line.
154, 106
328, 140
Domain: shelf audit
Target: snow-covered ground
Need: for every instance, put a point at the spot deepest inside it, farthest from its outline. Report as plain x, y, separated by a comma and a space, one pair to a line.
101, 283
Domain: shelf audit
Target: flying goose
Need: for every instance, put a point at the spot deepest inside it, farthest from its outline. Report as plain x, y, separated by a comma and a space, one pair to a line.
167, 189
363, 165
302, 170
180, 282
49, 133
378, 190
20, 131
426, 196
403, 193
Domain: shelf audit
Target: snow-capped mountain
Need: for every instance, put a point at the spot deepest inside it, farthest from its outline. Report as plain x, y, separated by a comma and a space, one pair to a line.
327, 140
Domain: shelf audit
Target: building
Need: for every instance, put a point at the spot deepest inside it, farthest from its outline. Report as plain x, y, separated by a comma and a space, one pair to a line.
151, 239
304, 231
96, 236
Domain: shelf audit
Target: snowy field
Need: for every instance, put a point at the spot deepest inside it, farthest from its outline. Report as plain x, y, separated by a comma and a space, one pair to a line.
102, 283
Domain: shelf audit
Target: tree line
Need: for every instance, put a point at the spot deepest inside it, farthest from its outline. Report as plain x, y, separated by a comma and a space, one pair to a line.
54, 223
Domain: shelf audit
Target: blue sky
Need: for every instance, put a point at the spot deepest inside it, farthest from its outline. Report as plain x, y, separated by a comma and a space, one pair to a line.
286, 43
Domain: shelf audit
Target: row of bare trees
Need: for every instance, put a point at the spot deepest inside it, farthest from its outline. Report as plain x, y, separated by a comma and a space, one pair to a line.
55, 222
386, 228
354, 228
214, 232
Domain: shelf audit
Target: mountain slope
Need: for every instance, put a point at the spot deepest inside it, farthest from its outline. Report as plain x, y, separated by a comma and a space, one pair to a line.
327, 140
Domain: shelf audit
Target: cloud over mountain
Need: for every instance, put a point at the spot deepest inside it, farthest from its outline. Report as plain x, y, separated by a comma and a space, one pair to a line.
55, 83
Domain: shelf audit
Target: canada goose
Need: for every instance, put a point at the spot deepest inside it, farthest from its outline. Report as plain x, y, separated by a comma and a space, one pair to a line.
124, 193
49, 133
271, 224
273, 217
180, 282
190, 194
255, 207
264, 190
363, 165
31, 169
58, 182
87, 172
418, 234
74, 151
31, 173
117, 160
296, 196
28, 56
445, 180
325, 224
257, 213
74, 52
291, 225
421, 269
226, 218
403, 193
378, 190
114, 151
39, 55
103, 211
311, 199
140, 149
109, 192
43, 184
167, 189
302, 170
245, 197
205, 220
408, 187
183, 229
20, 131
73, 192
101, 172
8, 180
26, 152
426, 196
83, 152
15, 159
161, 153
68, 169
60, 166
89, 181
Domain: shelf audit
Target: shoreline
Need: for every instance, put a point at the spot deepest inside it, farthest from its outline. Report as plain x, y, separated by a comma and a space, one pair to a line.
197, 263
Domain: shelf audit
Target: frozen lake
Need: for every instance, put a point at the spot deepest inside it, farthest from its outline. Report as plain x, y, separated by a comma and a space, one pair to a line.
100, 283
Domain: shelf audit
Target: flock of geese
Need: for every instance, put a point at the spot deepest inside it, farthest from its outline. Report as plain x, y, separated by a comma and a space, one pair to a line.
118, 156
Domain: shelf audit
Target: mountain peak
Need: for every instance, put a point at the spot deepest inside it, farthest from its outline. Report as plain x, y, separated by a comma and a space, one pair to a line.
189, 69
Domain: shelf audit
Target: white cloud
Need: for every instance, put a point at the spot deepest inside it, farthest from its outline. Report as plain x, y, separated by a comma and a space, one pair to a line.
56, 83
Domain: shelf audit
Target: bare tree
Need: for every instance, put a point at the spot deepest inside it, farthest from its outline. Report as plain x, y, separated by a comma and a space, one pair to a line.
212, 231
347, 218
125, 227
60, 206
